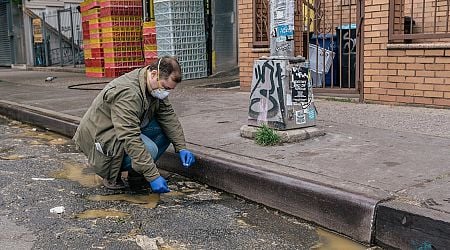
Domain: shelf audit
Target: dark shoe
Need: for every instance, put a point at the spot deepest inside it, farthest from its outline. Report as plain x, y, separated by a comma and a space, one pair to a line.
114, 185
137, 181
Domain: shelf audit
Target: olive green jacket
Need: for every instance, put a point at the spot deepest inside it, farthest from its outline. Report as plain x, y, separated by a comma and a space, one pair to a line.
113, 123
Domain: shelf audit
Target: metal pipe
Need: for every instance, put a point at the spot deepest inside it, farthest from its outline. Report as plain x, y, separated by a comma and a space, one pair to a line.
44, 34
340, 49
350, 43
9, 16
332, 42
60, 38
72, 40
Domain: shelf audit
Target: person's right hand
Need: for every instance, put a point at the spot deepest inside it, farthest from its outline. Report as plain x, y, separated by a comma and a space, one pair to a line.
159, 185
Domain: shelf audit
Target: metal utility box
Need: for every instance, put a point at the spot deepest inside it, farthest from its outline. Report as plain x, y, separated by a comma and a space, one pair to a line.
281, 94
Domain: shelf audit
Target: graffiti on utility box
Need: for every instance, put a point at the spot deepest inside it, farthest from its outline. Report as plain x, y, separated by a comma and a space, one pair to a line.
281, 94
266, 97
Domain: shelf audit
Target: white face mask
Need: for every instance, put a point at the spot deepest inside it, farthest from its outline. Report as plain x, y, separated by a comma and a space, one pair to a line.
160, 93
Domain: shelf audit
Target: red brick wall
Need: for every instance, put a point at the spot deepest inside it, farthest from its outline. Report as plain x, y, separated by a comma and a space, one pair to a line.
401, 76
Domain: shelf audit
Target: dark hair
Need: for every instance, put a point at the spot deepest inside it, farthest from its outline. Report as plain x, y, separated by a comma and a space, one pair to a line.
167, 66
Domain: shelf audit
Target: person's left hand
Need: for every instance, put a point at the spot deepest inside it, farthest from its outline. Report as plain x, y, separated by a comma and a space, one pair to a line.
187, 158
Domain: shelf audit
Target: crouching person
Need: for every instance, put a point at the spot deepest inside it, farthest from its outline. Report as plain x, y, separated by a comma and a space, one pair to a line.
131, 123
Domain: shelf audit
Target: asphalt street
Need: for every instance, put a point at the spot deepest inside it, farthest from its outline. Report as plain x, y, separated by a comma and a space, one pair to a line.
40, 171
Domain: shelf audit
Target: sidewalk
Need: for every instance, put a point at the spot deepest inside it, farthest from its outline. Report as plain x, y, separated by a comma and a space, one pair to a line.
380, 175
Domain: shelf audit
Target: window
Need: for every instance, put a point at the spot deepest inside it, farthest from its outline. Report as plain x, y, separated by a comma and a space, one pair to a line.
260, 23
418, 20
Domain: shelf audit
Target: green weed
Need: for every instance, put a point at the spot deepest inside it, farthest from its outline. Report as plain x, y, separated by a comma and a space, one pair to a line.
266, 136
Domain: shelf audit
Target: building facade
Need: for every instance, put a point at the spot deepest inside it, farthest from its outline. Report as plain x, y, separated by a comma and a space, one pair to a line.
387, 51
18, 44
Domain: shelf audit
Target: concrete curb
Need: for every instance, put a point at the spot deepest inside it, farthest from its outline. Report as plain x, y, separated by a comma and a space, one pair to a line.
54, 121
404, 226
57, 69
345, 212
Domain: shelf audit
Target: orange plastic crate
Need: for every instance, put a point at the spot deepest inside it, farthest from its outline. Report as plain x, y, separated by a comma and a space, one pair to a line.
150, 24
124, 64
97, 75
120, 39
89, 4
95, 70
122, 49
150, 54
123, 35
121, 44
124, 59
122, 29
121, 54
94, 62
120, 24
109, 10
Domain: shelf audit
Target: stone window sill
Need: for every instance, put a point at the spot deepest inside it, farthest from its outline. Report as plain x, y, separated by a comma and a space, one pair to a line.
411, 46
261, 50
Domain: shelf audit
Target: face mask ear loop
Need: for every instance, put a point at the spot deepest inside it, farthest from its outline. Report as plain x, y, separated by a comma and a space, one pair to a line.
157, 76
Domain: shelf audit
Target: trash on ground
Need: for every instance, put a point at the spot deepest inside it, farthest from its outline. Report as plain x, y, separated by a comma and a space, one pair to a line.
148, 243
57, 210
50, 78
42, 179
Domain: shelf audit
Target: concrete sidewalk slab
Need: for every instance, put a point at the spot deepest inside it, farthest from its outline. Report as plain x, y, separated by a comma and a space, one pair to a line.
286, 136
381, 153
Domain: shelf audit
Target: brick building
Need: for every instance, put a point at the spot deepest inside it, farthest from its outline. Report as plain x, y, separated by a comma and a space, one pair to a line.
402, 47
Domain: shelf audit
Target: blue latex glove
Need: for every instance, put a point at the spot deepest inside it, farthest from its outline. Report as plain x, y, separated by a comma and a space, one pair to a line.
159, 185
187, 158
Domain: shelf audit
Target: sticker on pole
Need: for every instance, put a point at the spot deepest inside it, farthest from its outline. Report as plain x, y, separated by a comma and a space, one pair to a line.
300, 117
285, 31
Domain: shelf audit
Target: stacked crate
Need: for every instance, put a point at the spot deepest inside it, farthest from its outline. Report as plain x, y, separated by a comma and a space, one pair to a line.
115, 38
149, 42
181, 32
93, 52
121, 26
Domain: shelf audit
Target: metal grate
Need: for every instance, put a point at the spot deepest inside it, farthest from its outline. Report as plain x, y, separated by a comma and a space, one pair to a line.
180, 32
418, 19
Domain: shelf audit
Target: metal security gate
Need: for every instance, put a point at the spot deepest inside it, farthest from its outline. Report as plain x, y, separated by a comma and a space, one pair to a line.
224, 35
59, 38
5, 43
332, 42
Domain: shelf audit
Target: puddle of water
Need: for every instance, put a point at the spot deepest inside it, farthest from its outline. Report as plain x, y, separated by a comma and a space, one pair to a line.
12, 157
174, 194
331, 241
48, 137
101, 213
36, 143
6, 149
3, 120
76, 172
147, 200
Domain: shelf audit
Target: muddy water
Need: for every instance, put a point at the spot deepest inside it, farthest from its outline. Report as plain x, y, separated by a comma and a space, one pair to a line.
147, 201
331, 241
77, 172
45, 137
13, 157
101, 213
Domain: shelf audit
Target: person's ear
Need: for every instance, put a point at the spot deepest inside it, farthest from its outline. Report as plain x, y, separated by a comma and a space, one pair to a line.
153, 74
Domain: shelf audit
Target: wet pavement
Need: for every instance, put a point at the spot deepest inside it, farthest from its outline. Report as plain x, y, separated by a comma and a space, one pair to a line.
41, 170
